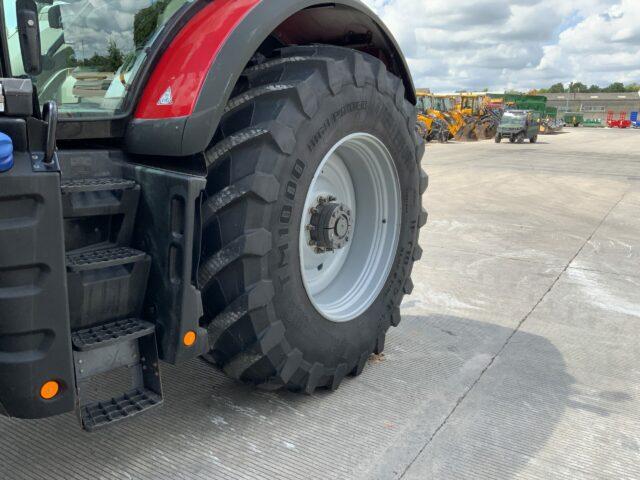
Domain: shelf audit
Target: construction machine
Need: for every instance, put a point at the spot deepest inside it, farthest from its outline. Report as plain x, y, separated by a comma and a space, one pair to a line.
445, 109
431, 124
481, 119
233, 180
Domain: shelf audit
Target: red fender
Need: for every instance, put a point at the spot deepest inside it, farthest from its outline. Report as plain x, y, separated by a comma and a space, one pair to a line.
186, 62
183, 99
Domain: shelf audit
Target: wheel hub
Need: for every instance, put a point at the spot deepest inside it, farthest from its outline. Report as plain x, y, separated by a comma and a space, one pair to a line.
330, 225
350, 227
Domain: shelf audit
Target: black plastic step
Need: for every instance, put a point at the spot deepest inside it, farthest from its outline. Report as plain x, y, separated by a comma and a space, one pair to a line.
99, 210
110, 333
106, 284
96, 184
133, 402
103, 258
125, 345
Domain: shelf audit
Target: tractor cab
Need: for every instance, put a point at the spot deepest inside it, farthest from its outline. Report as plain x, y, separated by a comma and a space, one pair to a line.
470, 104
84, 55
443, 103
424, 102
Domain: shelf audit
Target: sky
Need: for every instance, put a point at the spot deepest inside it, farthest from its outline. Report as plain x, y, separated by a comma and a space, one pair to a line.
517, 44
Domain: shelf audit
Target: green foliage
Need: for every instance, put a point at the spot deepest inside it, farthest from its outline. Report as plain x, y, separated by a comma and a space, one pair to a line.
556, 88
145, 22
110, 62
579, 87
115, 56
615, 87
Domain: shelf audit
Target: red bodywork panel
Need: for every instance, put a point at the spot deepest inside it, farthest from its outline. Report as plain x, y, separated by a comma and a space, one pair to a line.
186, 62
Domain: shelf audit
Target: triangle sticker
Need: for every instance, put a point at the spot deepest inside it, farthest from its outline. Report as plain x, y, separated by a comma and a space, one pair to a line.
166, 98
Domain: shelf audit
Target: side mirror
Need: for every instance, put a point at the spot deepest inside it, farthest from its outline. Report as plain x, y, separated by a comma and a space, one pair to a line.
55, 17
29, 34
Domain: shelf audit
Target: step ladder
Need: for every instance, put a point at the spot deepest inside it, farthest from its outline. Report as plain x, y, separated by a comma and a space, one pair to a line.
107, 282
128, 343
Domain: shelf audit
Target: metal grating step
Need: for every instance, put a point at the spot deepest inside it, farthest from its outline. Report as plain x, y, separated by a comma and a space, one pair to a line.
103, 258
96, 184
110, 333
133, 402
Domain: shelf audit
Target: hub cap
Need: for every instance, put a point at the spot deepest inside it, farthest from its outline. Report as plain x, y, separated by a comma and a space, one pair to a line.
330, 225
350, 227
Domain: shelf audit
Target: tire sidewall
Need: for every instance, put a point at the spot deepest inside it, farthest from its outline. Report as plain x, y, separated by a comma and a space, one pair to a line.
352, 110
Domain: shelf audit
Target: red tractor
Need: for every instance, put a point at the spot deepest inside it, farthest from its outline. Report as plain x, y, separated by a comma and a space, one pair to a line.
237, 180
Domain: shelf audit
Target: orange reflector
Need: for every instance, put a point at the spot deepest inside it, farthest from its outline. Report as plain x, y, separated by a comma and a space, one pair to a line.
189, 338
49, 390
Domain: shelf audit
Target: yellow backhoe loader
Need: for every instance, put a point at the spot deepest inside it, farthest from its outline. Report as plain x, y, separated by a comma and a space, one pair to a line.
480, 122
430, 124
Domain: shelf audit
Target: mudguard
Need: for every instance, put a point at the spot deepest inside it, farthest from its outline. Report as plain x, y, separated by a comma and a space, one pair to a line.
183, 101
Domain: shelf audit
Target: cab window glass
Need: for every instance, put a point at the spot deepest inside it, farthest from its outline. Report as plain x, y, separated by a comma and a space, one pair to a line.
91, 49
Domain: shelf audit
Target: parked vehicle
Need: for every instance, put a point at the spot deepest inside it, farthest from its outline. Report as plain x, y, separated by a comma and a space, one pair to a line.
237, 180
518, 125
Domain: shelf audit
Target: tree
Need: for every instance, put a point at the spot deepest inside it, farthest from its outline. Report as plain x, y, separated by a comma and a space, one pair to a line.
594, 89
577, 87
145, 22
634, 87
557, 88
115, 58
615, 87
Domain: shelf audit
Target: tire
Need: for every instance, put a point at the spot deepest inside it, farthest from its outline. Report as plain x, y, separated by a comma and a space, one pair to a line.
498, 138
533, 139
520, 138
512, 139
284, 117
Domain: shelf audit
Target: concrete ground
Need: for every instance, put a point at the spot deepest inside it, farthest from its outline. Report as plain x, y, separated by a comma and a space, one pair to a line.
518, 355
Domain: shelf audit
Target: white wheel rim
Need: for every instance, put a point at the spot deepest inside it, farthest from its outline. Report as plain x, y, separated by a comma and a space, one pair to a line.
359, 173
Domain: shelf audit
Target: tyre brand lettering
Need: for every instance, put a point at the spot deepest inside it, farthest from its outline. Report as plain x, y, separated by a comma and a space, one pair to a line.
333, 118
298, 168
290, 191
285, 214
397, 136
285, 218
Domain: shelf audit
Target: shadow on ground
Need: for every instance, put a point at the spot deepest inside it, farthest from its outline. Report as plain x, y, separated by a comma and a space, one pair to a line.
513, 401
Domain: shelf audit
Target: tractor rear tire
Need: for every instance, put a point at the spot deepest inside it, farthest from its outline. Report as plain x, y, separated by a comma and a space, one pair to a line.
286, 117
498, 138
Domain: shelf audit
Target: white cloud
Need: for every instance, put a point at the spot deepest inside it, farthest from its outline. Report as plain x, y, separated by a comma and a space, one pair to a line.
498, 44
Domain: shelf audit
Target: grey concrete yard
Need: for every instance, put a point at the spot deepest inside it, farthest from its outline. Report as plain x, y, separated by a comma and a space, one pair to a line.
518, 355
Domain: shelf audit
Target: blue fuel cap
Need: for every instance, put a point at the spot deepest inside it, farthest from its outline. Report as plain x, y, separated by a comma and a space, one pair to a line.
6, 152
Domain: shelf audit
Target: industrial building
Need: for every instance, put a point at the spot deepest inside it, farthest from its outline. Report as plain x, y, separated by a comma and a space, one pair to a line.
596, 106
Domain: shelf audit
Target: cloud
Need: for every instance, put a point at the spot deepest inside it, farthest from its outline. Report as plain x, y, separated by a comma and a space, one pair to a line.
498, 44
89, 26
